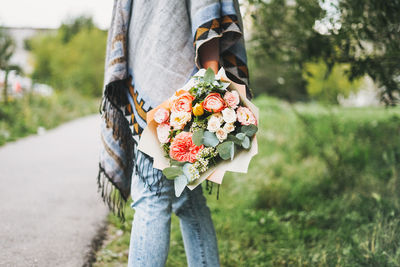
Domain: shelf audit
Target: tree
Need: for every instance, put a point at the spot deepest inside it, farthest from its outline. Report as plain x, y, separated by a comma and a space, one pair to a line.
282, 41
73, 26
369, 38
72, 58
7, 48
364, 34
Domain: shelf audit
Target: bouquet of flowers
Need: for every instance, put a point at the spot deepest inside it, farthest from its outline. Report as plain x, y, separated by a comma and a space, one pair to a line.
206, 128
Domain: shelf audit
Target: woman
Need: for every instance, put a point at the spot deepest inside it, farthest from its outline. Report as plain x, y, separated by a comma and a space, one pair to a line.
154, 47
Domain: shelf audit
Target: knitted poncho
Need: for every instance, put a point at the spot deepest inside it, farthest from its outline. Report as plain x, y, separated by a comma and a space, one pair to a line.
152, 50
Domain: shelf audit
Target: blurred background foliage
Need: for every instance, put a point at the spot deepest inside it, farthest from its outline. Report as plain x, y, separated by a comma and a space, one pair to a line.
70, 60
326, 86
286, 35
73, 58
33, 114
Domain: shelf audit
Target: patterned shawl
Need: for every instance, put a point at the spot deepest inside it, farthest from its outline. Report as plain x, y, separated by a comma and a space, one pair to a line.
125, 103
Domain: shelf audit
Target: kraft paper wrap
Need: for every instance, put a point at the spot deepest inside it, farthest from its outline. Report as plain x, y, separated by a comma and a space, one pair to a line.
150, 145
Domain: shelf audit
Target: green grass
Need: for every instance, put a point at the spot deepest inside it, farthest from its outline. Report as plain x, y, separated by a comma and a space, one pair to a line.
323, 191
23, 116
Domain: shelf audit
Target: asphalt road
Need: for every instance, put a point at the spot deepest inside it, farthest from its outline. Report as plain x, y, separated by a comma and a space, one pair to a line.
50, 210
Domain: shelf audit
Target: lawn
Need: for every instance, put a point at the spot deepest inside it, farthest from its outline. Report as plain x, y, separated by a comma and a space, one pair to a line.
323, 191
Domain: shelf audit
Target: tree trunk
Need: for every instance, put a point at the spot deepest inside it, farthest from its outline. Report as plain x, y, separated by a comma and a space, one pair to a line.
5, 90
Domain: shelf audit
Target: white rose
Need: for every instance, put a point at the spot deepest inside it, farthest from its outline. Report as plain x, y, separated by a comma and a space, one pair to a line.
219, 116
229, 115
229, 127
178, 120
213, 124
221, 134
163, 133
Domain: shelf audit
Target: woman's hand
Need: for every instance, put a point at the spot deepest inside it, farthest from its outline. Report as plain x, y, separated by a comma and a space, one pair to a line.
209, 54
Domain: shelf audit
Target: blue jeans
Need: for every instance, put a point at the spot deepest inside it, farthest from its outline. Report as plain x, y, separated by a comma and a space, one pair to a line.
150, 236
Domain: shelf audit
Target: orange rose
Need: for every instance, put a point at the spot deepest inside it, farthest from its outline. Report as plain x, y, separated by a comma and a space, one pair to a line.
214, 103
183, 149
183, 102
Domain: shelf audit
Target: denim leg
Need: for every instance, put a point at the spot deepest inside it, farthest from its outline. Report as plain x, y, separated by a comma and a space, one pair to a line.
197, 228
151, 226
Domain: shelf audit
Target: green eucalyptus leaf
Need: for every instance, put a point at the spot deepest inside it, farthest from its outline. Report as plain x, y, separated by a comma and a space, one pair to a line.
224, 85
210, 139
246, 142
176, 163
197, 137
180, 183
240, 136
172, 172
249, 130
226, 150
234, 139
209, 76
186, 170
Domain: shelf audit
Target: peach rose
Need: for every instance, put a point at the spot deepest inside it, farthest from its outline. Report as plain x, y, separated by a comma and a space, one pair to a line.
229, 127
183, 149
214, 103
221, 134
161, 115
163, 133
232, 99
245, 116
183, 102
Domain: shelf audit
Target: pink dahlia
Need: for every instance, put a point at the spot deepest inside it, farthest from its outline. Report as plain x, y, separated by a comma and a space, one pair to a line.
183, 149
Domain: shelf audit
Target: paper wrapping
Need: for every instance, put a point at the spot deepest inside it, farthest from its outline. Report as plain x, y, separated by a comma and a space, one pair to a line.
150, 145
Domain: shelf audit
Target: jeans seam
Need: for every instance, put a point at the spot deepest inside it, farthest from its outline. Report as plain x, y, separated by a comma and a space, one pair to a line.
198, 232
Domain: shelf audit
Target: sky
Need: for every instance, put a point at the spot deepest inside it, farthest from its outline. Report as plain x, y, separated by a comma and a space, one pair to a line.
51, 13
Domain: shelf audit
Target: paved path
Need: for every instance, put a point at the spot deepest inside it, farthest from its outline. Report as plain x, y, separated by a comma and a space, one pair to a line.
49, 206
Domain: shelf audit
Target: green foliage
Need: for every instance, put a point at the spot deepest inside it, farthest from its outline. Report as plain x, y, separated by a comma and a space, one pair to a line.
73, 26
249, 130
172, 172
7, 48
180, 183
283, 39
23, 116
362, 34
226, 150
325, 85
72, 58
210, 139
209, 76
369, 40
197, 137
322, 191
